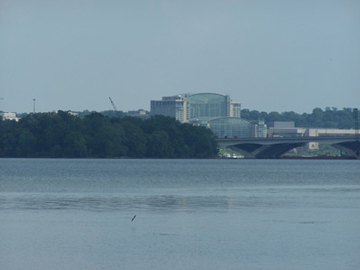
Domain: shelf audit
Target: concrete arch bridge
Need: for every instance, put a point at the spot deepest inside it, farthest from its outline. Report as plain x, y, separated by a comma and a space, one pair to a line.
266, 148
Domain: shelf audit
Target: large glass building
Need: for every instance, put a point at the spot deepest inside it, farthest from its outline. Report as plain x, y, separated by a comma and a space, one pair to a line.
207, 106
218, 112
189, 107
230, 127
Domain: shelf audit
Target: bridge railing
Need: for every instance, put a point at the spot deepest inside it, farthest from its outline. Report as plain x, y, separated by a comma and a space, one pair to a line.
285, 139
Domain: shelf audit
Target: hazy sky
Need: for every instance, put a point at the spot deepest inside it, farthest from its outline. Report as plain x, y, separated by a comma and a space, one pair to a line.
270, 55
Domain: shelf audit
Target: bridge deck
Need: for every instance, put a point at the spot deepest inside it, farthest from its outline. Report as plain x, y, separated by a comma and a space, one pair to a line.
275, 140
275, 147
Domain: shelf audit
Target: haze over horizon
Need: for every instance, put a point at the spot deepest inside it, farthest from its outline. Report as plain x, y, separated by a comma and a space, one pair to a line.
269, 55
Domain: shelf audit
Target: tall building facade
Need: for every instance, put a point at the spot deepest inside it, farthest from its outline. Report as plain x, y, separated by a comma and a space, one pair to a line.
196, 107
235, 109
173, 106
206, 106
260, 129
217, 112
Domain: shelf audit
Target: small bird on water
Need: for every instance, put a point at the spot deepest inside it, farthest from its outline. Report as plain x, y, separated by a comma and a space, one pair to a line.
133, 218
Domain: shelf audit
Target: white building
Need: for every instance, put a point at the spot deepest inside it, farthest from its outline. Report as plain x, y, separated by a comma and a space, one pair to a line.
9, 116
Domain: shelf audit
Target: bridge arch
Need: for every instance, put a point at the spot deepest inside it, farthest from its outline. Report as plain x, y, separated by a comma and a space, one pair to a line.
265, 148
265, 151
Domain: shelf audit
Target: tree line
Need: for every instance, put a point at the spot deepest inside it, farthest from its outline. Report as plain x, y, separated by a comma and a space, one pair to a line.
318, 118
63, 135
328, 118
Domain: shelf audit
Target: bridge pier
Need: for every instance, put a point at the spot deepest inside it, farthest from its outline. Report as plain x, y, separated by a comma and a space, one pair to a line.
259, 151
350, 148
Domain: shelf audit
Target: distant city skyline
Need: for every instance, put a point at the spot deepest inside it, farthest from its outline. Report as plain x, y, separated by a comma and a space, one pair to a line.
269, 55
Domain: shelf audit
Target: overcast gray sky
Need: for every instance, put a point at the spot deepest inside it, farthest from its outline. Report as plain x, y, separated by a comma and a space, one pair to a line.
271, 55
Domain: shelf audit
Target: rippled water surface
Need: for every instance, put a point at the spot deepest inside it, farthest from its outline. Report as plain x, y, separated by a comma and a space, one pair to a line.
190, 214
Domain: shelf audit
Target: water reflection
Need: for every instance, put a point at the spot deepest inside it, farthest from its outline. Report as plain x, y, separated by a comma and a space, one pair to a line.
151, 203
161, 203
205, 200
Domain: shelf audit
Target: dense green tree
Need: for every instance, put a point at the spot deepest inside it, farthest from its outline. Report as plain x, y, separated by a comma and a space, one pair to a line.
200, 141
104, 139
172, 129
114, 114
159, 146
62, 134
26, 144
135, 137
328, 118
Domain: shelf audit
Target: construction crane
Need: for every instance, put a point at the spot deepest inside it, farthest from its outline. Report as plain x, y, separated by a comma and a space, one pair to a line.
113, 105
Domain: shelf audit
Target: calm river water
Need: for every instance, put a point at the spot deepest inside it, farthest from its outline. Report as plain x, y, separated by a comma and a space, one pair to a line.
190, 214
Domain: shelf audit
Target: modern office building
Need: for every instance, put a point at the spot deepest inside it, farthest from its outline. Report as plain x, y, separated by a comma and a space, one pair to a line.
173, 106
217, 112
230, 127
196, 107
235, 108
207, 106
259, 129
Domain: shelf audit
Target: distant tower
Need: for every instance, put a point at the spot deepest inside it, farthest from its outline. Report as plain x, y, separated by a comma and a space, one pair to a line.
34, 105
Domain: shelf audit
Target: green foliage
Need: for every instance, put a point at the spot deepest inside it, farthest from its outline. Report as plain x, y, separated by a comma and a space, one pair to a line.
330, 118
62, 135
